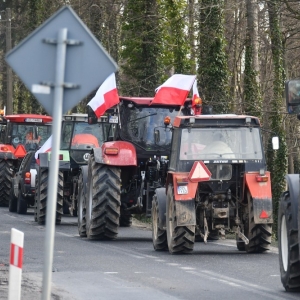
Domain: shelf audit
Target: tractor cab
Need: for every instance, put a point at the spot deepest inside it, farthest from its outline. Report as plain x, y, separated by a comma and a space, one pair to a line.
80, 137
27, 132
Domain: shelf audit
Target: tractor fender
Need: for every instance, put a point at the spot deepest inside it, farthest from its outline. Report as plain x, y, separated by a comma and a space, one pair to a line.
261, 194
162, 207
63, 165
293, 188
125, 154
185, 213
174, 177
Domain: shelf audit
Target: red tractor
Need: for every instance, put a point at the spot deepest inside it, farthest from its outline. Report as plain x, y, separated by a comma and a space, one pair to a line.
216, 183
122, 174
18, 135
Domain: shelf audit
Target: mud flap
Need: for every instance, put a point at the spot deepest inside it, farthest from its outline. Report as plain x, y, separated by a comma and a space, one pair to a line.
185, 213
263, 211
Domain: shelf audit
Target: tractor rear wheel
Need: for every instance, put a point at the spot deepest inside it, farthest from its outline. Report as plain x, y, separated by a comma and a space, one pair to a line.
22, 204
159, 236
82, 205
288, 245
181, 239
42, 192
259, 235
6, 175
103, 201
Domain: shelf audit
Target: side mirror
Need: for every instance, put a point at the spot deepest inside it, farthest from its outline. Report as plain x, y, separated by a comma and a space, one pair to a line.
292, 95
275, 142
92, 118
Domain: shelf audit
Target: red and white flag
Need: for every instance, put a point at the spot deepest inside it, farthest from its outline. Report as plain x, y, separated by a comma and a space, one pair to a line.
106, 96
175, 90
195, 91
196, 101
45, 148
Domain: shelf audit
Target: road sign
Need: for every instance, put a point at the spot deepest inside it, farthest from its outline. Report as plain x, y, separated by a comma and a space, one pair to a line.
199, 172
87, 62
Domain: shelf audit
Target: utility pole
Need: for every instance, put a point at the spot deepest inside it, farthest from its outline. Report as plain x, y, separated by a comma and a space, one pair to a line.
9, 87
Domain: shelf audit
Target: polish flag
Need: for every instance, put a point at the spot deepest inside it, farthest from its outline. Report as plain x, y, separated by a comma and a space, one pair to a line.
175, 90
45, 148
195, 91
106, 96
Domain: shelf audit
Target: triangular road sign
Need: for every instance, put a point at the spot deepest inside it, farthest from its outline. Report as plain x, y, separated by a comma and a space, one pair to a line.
199, 172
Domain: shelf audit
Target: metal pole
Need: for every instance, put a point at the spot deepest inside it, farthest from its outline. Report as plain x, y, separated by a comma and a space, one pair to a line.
9, 85
53, 174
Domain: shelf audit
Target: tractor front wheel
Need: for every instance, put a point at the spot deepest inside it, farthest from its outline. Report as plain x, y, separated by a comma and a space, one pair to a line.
41, 196
159, 236
22, 204
13, 201
82, 204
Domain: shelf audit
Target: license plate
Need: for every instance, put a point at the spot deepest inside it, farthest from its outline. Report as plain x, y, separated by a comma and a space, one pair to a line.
182, 190
33, 120
113, 119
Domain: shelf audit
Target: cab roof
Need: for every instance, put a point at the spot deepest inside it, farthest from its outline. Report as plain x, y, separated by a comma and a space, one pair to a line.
28, 118
217, 120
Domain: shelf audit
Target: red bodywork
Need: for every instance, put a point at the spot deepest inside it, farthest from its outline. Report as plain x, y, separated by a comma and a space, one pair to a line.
258, 190
117, 153
22, 117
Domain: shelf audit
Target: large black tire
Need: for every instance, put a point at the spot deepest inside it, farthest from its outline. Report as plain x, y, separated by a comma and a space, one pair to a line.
125, 217
103, 201
82, 181
13, 201
22, 204
159, 236
6, 175
41, 194
288, 245
259, 235
181, 239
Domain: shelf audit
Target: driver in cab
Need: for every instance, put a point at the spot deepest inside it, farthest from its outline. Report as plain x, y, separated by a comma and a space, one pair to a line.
30, 138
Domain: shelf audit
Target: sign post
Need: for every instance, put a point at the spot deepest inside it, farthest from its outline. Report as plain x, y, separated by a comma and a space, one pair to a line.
67, 63
54, 164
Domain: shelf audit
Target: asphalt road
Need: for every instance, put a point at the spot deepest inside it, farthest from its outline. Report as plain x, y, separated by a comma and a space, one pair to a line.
129, 268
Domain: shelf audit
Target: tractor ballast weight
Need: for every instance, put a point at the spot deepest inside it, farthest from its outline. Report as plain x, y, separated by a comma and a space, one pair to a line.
289, 209
216, 184
14, 145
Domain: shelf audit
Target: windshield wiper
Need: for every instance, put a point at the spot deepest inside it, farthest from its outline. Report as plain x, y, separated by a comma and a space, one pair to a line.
154, 114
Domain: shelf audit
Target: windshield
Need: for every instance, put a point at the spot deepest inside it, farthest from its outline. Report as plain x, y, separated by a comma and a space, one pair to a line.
145, 127
32, 137
84, 136
227, 143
